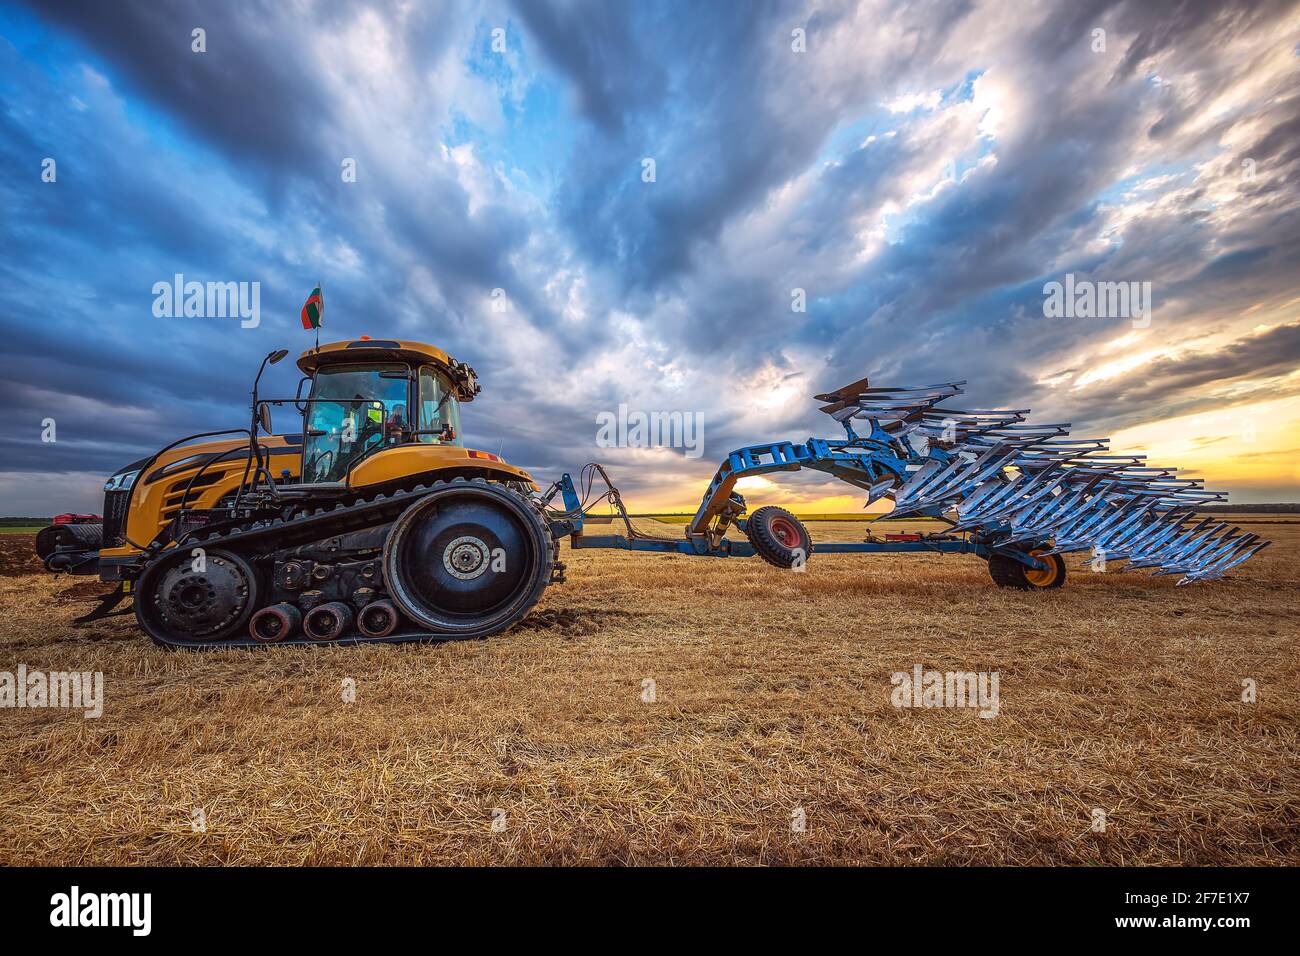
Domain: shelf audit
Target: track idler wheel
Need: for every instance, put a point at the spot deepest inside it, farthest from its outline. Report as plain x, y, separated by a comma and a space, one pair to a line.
1007, 572
377, 619
468, 559
181, 598
327, 622
274, 623
778, 537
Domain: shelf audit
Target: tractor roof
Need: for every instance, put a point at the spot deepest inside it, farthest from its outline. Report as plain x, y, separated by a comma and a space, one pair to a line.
366, 349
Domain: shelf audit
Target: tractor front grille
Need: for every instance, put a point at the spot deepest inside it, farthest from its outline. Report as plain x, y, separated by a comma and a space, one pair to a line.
115, 517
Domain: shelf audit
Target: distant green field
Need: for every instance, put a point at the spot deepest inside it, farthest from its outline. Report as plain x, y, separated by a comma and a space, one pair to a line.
22, 521
21, 530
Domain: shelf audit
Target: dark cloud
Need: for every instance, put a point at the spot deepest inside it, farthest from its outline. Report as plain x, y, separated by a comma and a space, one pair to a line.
252, 93
600, 51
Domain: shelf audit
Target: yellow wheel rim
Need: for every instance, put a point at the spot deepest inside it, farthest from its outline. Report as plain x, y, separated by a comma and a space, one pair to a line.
1041, 577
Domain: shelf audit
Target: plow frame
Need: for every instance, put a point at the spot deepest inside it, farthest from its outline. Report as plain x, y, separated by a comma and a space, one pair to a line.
866, 463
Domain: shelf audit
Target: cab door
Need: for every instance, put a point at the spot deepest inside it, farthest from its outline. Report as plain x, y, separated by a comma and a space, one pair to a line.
353, 411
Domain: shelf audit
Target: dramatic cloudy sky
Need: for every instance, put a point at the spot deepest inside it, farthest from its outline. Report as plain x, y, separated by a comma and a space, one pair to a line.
921, 171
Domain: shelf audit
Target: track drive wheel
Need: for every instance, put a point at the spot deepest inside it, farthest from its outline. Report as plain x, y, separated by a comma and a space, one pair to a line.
182, 600
778, 537
468, 559
1007, 572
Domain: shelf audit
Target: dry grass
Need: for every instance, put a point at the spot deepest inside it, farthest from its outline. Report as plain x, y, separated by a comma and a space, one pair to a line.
1120, 692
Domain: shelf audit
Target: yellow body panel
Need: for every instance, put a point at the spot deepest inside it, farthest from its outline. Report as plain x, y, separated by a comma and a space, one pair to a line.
157, 495
403, 461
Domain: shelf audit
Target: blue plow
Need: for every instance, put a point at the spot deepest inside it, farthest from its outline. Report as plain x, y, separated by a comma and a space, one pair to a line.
1017, 494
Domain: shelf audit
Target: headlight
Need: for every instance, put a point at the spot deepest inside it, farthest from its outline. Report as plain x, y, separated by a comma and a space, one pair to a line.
121, 482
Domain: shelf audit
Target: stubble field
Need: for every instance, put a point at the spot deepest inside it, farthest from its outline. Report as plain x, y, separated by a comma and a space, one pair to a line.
771, 706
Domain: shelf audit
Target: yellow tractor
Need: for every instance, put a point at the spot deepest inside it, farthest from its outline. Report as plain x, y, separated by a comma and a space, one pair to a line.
375, 523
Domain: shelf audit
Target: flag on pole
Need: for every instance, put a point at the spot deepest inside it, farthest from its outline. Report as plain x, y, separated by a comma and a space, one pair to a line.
313, 309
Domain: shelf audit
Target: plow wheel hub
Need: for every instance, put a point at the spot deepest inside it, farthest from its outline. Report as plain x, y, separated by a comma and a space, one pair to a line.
785, 532
468, 560
183, 599
1048, 576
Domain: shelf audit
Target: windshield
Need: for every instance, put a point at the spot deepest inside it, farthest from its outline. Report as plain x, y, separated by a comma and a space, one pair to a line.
355, 409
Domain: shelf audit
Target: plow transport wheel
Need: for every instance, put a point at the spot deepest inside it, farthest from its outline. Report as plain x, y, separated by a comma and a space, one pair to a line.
468, 559
778, 537
1009, 573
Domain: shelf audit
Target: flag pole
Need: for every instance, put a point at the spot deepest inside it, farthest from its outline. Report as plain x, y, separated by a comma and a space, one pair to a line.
320, 317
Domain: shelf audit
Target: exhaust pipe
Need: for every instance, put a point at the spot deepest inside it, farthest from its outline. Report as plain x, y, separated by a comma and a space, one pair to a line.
326, 622
274, 623
377, 619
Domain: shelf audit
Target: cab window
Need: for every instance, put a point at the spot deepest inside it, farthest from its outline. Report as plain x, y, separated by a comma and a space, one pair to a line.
438, 407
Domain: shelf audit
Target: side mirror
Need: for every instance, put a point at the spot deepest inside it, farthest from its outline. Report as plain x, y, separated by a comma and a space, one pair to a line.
264, 418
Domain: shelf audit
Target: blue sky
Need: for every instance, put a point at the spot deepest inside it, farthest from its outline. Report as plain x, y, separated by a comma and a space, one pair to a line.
920, 171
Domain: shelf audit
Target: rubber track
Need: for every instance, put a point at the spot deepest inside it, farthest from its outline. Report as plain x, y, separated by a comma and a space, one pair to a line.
351, 514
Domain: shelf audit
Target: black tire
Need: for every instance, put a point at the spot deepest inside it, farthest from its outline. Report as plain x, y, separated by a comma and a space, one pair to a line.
778, 537
468, 559
1007, 572
176, 604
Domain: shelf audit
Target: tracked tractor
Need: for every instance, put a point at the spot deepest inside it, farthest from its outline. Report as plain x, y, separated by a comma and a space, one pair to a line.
375, 522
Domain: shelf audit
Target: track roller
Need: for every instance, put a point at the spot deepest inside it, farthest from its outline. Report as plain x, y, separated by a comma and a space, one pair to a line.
274, 623
377, 619
327, 622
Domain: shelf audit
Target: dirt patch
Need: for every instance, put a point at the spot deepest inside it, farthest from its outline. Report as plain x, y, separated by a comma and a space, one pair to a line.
18, 555
87, 590
572, 621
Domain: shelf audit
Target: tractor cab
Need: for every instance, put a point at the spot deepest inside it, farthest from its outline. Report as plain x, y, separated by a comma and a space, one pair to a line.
369, 395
